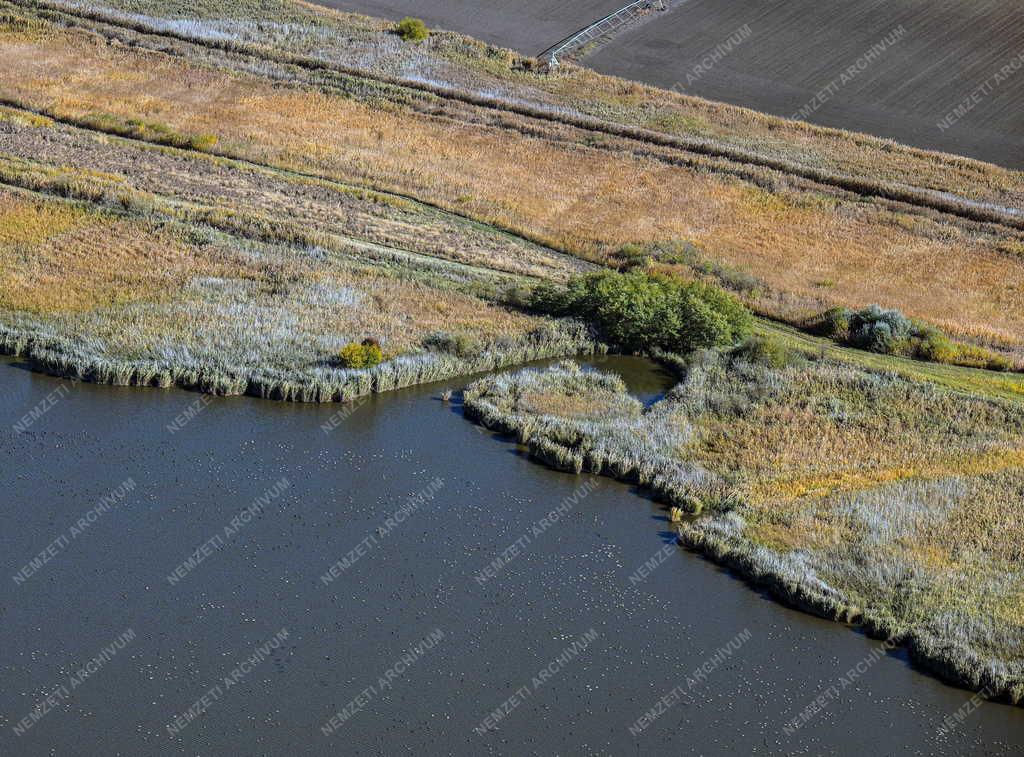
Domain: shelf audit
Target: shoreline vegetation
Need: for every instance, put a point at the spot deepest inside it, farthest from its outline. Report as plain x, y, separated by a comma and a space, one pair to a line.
323, 385
788, 471
254, 197
232, 315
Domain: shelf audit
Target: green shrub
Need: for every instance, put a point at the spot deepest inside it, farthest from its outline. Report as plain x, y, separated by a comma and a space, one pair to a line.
928, 343
412, 29
361, 355
683, 253
835, 324
978, 357
372, 352
999, 363
203, 142
352, 356
631, 256
548, 298
879, 330
517, 296
640, 312
891, 333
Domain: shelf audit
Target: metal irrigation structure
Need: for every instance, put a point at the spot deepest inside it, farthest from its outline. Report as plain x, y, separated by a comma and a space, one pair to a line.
599, 28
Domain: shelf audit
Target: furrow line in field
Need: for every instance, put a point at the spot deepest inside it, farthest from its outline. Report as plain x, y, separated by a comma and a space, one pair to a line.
373, 251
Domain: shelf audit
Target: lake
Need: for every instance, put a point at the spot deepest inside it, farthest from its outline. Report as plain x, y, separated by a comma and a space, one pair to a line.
236, 576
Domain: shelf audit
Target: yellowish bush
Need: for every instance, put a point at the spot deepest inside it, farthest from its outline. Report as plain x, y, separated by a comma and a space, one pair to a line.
361, 355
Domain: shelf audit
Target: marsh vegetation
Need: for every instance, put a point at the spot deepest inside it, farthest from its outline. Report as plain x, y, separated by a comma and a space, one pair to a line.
822, 220
232, 315
858, 495
271, 199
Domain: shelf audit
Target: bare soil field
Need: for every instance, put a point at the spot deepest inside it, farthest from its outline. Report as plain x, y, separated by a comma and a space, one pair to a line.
951, 50
527, 26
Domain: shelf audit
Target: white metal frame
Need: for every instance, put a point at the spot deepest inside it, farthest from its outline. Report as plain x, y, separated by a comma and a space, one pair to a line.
606, 25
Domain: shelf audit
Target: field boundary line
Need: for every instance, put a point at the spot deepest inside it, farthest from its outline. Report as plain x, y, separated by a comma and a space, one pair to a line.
382, 251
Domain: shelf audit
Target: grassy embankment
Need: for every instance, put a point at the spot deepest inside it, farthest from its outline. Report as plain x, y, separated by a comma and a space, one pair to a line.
856, 494
303, 33
803, 241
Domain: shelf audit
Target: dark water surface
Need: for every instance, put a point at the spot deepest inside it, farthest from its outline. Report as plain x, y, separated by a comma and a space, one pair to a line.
346, 637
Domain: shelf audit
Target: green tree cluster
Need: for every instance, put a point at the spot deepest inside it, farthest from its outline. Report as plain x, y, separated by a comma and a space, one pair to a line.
412, 29
639, 312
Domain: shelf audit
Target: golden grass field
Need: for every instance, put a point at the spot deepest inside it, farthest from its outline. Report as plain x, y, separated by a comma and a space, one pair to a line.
85, 260
365, 43
61, 258
812, 251
904, 495
197, 297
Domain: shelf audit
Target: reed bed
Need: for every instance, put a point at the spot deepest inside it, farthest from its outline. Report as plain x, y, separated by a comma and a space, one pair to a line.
614, 437
835, 487
229, 315
316, 384
482, 264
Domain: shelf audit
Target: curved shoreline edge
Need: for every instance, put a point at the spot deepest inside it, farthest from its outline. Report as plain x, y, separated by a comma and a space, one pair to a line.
944, 660
952, 663
56, 357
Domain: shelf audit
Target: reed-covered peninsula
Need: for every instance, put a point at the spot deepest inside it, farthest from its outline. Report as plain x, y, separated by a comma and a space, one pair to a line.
838, 488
